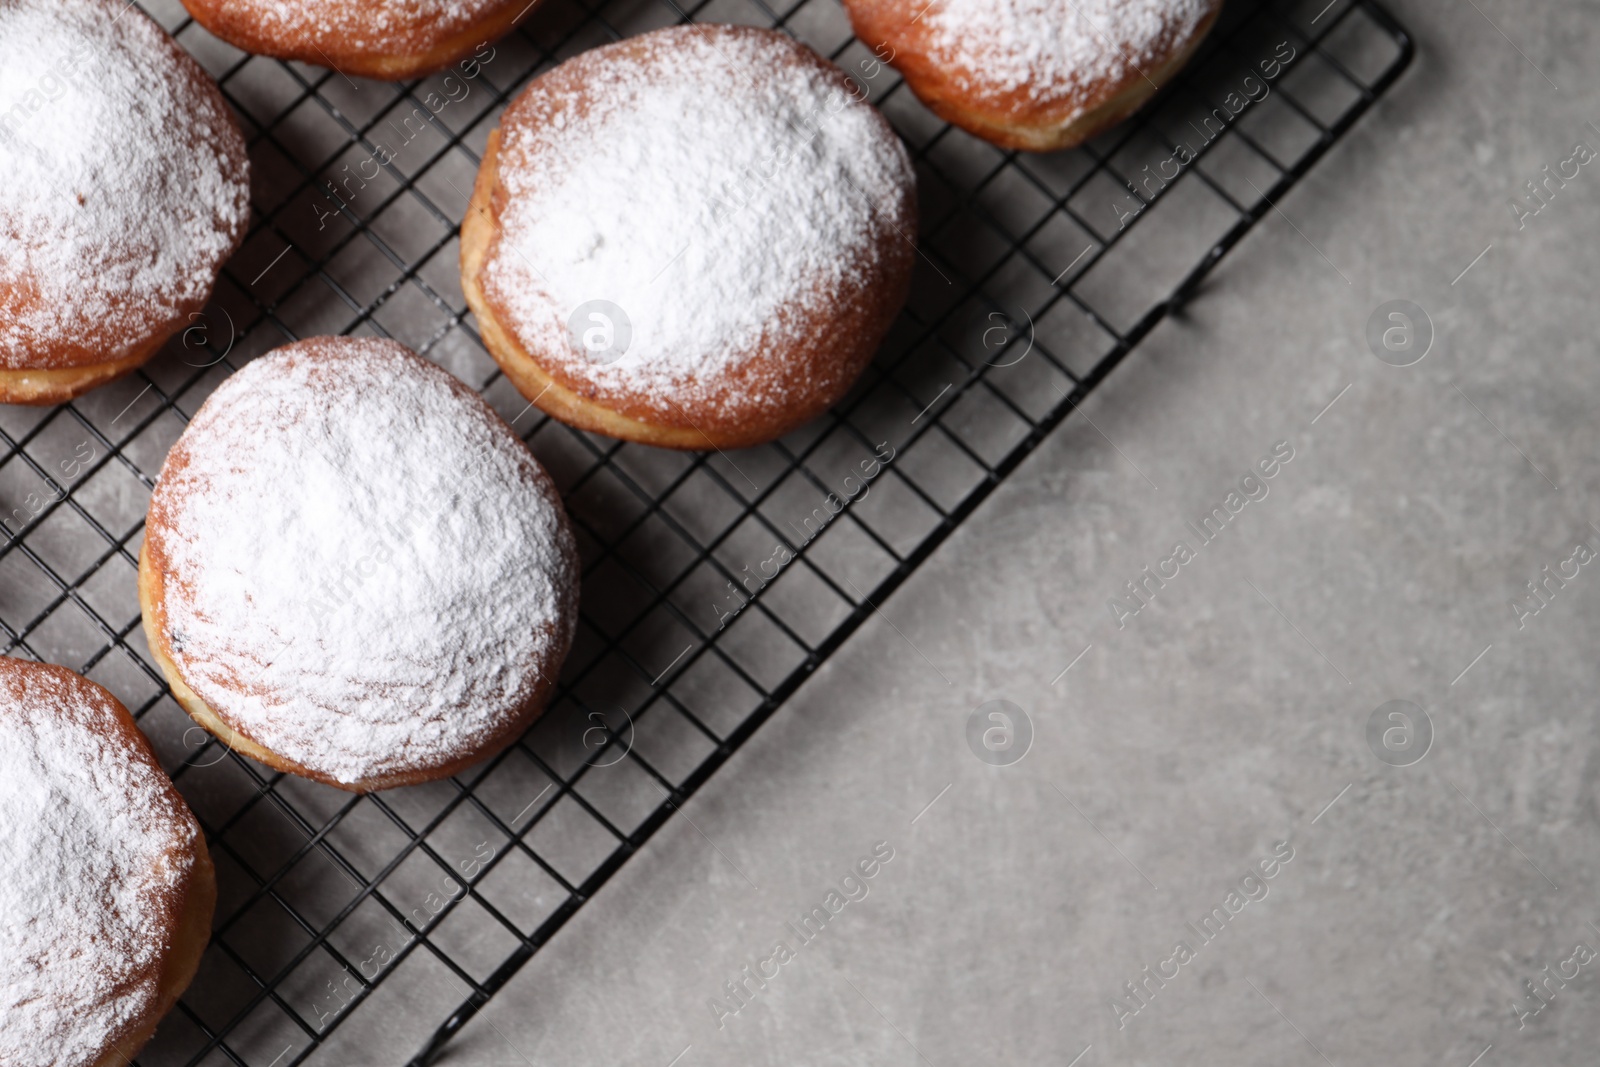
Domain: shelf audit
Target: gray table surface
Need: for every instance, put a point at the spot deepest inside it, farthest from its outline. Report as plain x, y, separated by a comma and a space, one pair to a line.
1230, 714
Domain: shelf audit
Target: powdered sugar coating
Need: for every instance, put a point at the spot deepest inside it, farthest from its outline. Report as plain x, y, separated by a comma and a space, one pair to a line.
124, 183
365, 570
96, 852
359, 25
1056, 50
723, 189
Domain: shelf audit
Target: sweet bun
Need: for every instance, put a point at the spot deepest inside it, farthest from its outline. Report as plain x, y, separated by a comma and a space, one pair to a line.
105, 881
353, 570
389, 39
1034, 74
124, 185
693, 238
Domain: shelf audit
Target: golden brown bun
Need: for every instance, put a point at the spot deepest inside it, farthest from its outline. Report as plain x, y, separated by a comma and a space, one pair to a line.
184, 912
386, 369
80, 350
409, 45
964, 95
834, 347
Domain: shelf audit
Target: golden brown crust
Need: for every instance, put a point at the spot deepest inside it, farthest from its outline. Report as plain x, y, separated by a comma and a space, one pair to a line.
1016, 118
410, 48
57, 385
834, 348
184, 922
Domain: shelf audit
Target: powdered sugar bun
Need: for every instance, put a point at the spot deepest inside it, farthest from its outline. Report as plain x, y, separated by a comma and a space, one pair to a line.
124, 185
354, 570
1034, 74
106, 887
390, 39
693, 238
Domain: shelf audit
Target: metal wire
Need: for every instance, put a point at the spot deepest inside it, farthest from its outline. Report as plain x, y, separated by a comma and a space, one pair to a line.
714, 585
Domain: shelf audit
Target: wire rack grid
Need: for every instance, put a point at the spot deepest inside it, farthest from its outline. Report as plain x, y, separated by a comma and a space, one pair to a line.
362, 929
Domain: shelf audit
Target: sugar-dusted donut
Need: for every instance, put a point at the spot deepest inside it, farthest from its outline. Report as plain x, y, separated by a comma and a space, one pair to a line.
124, 185
1034, 74
391, 39
354, 570
693, 238
106, 887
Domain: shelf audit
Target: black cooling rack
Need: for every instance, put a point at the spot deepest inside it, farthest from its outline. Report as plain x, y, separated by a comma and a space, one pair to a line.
360, 929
